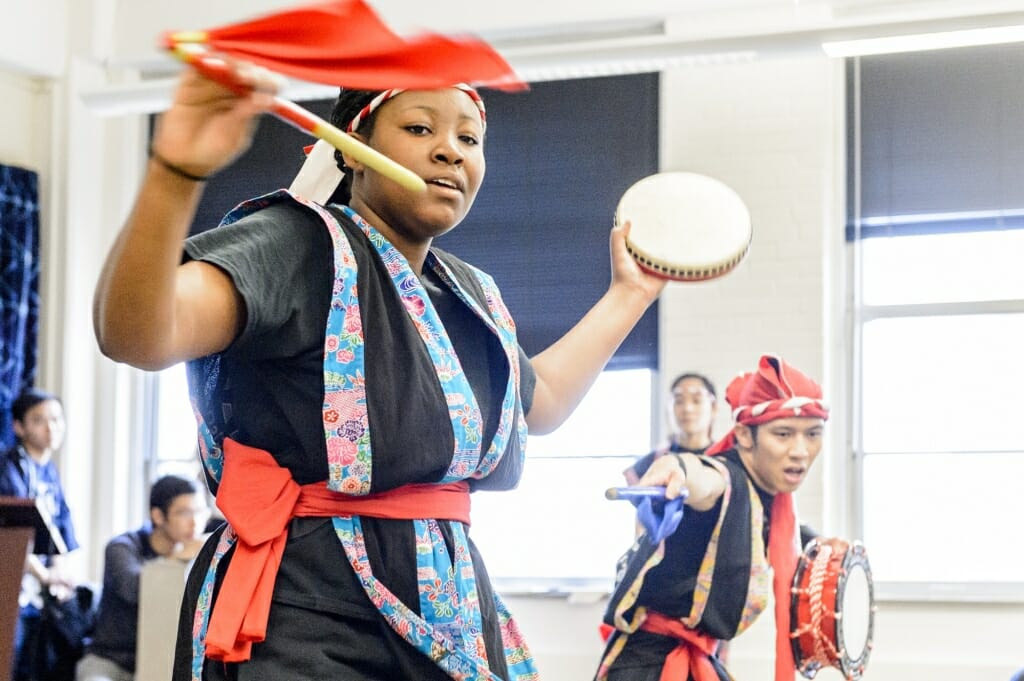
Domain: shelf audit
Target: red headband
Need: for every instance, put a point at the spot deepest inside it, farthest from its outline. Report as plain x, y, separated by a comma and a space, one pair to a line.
776, 390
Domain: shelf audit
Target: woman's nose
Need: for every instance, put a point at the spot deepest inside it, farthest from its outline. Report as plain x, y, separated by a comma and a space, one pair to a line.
448, 152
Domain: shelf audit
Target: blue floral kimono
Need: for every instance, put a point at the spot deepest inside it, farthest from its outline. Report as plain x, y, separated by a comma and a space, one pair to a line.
346, 374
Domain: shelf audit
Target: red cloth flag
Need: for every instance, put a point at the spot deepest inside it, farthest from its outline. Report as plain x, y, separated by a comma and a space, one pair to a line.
345, 43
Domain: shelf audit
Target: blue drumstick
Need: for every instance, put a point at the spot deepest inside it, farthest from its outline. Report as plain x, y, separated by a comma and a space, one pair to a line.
637, 493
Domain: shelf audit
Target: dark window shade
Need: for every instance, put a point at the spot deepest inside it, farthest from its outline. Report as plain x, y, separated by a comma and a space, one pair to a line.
558, 158
941, 138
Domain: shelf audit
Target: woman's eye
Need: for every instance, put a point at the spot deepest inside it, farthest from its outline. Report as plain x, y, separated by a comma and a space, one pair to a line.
469, 139
417, 129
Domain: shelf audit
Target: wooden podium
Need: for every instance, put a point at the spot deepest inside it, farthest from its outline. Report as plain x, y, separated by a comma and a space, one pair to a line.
21, 526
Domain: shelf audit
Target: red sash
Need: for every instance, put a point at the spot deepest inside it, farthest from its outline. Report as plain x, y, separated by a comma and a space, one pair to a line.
690, 656
259, 498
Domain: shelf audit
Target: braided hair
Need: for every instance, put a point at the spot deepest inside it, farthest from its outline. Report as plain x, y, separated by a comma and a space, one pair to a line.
346, 107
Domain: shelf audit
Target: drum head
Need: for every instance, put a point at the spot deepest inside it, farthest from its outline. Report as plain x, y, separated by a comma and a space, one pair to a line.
685, 226
854, 630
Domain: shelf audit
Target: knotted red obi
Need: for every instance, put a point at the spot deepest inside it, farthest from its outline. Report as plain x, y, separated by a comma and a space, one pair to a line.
259, 498
690, 657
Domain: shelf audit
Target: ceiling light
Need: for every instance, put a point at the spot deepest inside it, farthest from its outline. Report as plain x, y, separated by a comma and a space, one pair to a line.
924, 41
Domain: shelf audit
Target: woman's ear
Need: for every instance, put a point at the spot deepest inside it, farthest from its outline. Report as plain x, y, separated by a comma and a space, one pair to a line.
351, 161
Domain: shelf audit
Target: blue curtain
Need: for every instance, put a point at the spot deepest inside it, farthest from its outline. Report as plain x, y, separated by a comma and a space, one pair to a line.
19, 288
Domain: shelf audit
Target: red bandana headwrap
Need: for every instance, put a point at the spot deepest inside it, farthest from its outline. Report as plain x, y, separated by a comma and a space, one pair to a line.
775, 391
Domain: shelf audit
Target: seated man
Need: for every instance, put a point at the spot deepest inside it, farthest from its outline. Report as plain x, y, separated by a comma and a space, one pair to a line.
709, 579
177, 512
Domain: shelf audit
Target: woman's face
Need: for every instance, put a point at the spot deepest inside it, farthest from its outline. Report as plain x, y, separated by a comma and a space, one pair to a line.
42, 429
693, 407
437, 134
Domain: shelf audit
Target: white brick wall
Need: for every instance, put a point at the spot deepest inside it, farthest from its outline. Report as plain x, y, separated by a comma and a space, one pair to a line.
766, 129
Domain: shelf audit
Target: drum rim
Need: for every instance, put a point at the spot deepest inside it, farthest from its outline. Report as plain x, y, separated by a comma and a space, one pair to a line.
659, 268
851, 668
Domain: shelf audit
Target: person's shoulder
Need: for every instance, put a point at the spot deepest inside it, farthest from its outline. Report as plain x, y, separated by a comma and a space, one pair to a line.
281, 215
8, 469
132, 539
730, 460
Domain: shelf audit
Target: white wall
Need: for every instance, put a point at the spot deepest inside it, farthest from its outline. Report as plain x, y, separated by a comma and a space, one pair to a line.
25, 105
88, 168
33, 37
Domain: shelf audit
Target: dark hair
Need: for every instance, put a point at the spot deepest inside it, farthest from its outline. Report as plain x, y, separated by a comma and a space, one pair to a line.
29, 398
346, 107
700, 377
168, 488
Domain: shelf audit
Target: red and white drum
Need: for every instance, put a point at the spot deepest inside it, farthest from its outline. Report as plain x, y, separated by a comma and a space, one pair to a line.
832, 613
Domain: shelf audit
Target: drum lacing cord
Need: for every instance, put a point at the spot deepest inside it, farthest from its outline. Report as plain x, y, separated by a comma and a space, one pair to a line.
824, 650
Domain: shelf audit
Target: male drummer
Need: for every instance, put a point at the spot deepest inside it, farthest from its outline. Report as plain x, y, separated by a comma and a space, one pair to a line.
710, 579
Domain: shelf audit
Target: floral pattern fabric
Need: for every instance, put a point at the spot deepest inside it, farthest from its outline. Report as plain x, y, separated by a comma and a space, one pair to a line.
449, 629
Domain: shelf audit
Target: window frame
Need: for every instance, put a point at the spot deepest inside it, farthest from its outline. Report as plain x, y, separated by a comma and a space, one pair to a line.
978, 591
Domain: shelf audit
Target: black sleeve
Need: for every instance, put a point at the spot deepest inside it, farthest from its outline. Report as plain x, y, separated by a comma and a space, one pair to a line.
122, 568
280, 259
643, 463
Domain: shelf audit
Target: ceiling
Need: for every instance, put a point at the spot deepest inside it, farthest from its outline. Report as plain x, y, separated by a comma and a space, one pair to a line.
552, 39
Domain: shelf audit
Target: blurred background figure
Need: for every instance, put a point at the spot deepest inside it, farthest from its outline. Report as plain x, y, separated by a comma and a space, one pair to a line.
692, 411
177, 520
28, 471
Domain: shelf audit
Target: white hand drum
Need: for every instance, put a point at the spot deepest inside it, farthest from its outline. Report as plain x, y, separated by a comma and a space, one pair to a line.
685, 226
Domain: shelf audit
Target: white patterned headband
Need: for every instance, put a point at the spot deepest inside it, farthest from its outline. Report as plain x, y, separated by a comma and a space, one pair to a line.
367, 110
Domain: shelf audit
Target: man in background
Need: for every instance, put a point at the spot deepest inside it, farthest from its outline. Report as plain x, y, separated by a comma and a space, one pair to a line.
177, 519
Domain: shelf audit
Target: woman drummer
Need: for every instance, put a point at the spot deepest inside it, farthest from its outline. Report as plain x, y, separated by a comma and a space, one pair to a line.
352, 385
709, 580
692, 410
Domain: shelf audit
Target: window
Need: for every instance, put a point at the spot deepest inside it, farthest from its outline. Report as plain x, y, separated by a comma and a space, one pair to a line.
936, 222
941, 445
556, 531
173, 427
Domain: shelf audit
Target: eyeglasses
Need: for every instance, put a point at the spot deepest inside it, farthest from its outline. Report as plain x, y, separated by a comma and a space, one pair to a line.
190, 513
